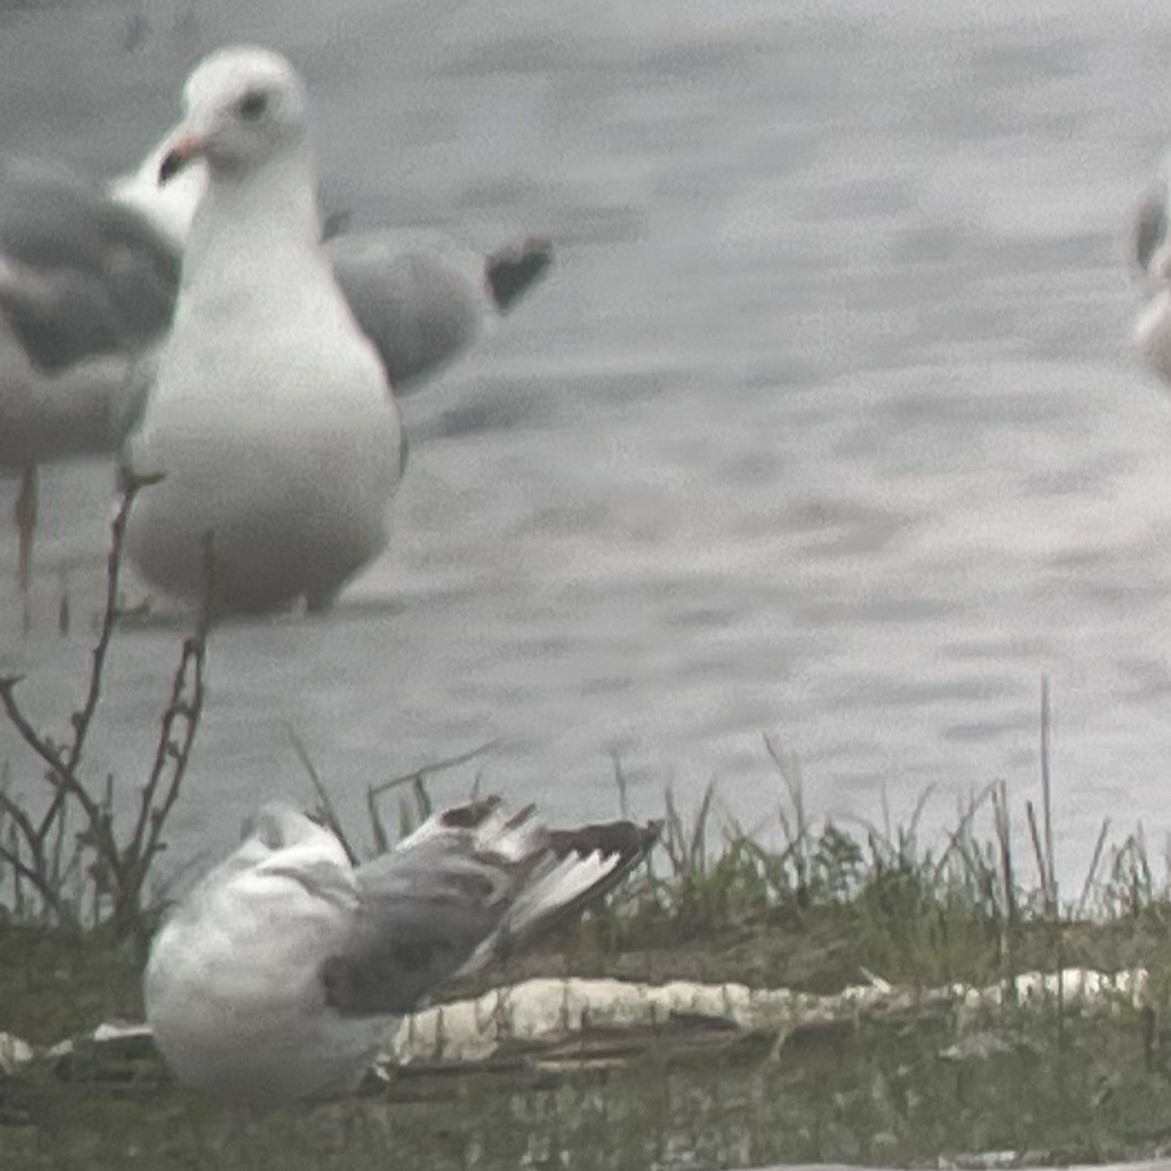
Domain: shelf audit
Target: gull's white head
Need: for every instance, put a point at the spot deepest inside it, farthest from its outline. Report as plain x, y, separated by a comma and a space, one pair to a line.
278, 838
244, 107
277, 826
171, 208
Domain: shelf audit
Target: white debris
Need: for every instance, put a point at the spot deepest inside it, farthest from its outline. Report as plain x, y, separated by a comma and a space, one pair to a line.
560, 1022
546, 1012
125, 1031
14, 1053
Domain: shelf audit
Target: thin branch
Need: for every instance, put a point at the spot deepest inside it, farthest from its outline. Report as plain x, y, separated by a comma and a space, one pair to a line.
146, 840
61, 778
36, 870
131, 485
435, 767
194, 655
24, 823
36, 879
415, 779
113, 873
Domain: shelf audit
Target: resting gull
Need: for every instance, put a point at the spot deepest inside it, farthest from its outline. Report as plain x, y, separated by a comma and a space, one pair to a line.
284, 970
270, 414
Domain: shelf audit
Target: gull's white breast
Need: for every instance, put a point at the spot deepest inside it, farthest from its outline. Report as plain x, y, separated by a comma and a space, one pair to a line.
275, 428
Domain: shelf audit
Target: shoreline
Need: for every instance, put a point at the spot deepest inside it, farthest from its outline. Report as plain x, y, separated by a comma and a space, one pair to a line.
902, 1028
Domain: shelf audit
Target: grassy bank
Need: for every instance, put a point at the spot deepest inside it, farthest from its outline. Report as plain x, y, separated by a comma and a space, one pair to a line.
818, 913
810, 904
826, 908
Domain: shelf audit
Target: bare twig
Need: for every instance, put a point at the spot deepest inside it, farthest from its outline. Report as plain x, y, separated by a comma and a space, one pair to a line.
177, 729
131, 485
33, 871
185, 708
416, 780
23, 823
427, 770
59, 775
113, 876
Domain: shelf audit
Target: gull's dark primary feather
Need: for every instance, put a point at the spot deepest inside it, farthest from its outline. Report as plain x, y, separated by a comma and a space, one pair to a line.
511, 272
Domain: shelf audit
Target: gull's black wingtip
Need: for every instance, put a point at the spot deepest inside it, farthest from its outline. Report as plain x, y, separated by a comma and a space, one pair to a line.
514, 270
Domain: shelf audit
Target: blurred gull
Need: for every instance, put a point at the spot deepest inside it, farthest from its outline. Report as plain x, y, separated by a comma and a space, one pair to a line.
1152, 254
283, 972
88, 277
270, 413
85, 286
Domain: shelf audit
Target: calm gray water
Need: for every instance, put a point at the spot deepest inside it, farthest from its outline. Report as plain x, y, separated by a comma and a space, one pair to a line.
826, 424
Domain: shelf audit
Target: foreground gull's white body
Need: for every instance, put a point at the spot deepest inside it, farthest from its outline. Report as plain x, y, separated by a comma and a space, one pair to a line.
271, 416
286, 968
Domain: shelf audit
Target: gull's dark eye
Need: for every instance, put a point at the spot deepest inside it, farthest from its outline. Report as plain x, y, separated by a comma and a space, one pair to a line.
252, 106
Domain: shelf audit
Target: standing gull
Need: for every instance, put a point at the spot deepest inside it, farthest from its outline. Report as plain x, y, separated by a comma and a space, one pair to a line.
270, 416
283, 972
88, 276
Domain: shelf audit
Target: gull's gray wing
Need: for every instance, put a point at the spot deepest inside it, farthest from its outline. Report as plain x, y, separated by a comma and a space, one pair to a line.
80, 410
421, 917
422, 301
80, 274
1150, 225
422, 913
418, 310
469, 886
